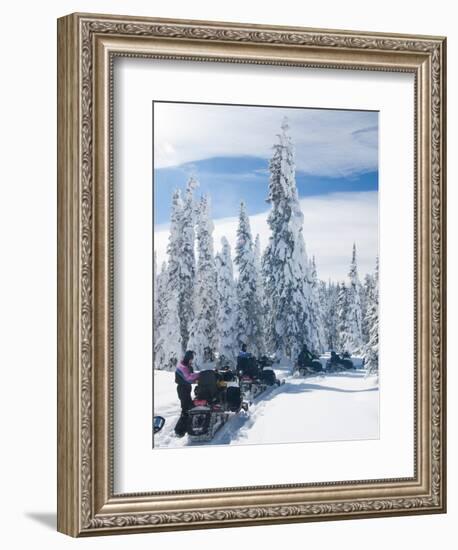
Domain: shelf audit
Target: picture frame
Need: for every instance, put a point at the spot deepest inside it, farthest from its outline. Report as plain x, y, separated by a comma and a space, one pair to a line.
87, 47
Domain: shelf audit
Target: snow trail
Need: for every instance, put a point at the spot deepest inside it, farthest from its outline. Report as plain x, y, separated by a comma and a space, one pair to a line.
331, 407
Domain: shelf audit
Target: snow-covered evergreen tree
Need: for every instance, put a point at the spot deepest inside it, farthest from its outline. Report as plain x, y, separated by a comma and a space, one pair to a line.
285, 264
155, 299
328, 304
204, 330
342, 317
249, 308
353, 341
227, 305
168, 350
187, 261
366, 294
168, 347
317, 336
371, 351
160, 297
261, 298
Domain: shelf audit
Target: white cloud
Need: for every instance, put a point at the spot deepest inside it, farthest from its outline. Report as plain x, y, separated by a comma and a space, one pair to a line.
328, 142
332, 223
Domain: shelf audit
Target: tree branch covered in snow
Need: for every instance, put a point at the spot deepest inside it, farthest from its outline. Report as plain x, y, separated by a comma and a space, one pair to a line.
204, 329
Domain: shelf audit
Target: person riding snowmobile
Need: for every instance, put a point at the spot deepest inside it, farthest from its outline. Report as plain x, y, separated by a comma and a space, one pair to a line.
340, 361
246, 363
243, 351
305, 357
334, 359
184, 377
307, 361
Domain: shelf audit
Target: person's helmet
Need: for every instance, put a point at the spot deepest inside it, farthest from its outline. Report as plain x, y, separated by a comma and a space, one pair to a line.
243, 347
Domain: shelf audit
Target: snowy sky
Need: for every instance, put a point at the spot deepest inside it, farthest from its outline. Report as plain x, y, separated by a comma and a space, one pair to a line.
227, 148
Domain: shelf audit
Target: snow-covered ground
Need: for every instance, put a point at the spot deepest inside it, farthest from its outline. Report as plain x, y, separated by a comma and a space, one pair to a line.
330, 407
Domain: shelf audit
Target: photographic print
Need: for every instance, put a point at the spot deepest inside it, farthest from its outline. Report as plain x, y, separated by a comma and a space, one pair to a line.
238, 204
266, 262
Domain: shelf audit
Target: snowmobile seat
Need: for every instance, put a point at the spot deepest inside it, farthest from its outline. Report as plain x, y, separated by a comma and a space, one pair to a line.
207, 387
227, 375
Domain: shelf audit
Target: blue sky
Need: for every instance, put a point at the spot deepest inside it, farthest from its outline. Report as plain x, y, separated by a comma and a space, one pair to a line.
227, 148
229, 179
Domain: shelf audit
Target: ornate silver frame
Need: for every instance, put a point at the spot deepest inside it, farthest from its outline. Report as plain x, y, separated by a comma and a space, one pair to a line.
87, 45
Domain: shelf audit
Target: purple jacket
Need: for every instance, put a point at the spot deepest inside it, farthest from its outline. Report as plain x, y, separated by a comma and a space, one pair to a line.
183, 375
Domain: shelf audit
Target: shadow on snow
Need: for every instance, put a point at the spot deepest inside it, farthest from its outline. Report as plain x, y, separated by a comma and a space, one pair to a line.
245, 420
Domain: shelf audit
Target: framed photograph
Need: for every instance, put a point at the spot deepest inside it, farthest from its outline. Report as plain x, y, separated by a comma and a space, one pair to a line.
251, 290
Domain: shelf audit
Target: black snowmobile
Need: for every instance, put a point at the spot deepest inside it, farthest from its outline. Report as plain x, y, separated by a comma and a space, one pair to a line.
337, 363
217, 398
255, 376
308, 363
268, 375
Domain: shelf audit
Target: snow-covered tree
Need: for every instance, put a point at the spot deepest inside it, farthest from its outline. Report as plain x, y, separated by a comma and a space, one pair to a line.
160, 297
371, 351
366, 294
155, 299
285, 264
159, 309
227, 304
187, 261
328, 305
342, 316
249, 307
204, 330
353, 341
261, 298
168, 347
168, 350
317, 335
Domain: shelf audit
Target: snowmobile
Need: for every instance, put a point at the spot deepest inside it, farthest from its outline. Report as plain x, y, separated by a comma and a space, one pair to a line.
314, 367
268, 375
256, 376
309, 367
217, 398
339, 363
223, 363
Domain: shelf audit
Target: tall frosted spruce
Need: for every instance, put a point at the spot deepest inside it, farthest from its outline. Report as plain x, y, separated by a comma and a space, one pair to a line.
371, 351
342, 317
160, 297
168, 347
227, 304
187, 261
155, 299
249, 307
353, 341
317, 336
366, 292
328, 300
203, 333
261, 297
285, 264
